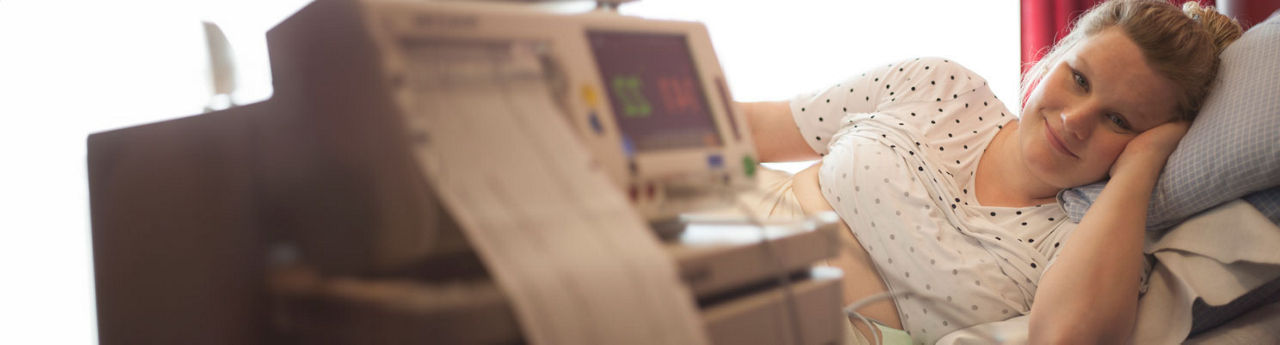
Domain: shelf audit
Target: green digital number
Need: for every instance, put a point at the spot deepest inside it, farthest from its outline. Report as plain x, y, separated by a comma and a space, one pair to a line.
627, 89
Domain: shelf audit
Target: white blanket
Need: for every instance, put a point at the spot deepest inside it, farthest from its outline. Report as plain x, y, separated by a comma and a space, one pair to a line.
1216, 256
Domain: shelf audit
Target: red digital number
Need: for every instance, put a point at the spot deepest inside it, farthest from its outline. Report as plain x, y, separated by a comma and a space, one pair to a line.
677, 95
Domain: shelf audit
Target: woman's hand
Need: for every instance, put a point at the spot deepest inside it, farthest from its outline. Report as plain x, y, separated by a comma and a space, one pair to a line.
1148, 152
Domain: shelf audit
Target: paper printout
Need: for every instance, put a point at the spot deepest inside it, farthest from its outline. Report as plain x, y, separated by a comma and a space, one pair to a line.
579, 265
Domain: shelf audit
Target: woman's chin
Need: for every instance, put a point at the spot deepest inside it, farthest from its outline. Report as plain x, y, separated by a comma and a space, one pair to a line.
1077, 181
1055, 176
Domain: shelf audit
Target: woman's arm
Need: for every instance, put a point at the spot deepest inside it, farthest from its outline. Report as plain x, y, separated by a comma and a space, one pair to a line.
1091, 294
775, 133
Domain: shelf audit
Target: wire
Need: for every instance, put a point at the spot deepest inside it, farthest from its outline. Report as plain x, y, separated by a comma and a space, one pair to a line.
951, 312
852, 310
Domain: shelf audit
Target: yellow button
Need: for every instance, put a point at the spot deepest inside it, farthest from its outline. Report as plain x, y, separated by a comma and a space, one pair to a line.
590, 96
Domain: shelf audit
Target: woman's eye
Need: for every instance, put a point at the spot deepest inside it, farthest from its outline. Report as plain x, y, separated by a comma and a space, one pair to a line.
1080, 80
1118, 121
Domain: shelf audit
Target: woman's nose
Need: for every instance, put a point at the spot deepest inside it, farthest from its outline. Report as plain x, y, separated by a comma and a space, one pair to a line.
1075, 122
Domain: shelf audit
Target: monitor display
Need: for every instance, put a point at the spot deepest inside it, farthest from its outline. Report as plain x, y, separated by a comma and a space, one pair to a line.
658, 101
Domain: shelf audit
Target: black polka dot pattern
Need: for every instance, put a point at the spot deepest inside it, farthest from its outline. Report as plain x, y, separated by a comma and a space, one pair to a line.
892, 171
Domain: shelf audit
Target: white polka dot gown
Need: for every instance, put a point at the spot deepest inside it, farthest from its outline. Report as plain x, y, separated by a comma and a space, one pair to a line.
900, 146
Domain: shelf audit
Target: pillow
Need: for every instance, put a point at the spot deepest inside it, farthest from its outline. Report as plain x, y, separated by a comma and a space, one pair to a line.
1267, 202
1233, 147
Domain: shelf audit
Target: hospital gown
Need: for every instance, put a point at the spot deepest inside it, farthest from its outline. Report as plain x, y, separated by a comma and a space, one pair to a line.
900, 148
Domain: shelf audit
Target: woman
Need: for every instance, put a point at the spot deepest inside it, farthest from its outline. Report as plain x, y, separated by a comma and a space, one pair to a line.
949, 201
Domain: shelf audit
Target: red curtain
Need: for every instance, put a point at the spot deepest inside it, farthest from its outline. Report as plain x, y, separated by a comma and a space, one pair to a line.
1044, 21
1248, 12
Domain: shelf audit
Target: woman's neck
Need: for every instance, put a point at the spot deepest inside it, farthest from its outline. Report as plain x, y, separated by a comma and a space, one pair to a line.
1003, 179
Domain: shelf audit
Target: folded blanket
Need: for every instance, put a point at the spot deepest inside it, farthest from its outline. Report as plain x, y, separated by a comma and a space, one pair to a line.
1196, 260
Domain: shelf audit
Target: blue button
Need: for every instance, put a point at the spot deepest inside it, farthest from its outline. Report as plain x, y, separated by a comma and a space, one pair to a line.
628, 147
715, 161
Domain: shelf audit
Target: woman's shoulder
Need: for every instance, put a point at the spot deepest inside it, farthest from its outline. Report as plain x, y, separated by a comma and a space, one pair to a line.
918, 89
927, 91
950, 109
929, 66
916, 92
930, 75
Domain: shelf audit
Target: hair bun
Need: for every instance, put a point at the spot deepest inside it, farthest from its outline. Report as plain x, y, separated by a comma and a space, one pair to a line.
1222, 29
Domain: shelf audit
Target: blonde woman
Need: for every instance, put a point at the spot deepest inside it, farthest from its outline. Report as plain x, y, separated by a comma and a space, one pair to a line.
949, 201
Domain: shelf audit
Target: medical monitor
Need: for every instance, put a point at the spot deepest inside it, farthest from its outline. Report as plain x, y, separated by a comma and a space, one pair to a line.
654, 90
647, 97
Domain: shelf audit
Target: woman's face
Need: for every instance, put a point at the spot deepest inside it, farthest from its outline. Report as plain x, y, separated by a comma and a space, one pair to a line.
1083, 112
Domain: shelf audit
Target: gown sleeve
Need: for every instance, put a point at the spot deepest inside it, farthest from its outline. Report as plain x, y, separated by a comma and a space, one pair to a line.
907, 84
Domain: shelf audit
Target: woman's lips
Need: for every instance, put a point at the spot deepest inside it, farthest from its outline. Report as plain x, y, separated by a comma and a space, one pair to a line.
1055, 142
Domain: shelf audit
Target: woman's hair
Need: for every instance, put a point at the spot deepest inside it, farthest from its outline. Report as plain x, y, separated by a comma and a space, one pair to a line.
1182, 46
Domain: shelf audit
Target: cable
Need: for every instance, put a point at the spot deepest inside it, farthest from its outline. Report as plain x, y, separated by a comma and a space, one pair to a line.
951, 312
782, 277
852, 310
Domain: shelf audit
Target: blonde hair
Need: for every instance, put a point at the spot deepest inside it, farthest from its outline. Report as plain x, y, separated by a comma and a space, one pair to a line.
1182, 46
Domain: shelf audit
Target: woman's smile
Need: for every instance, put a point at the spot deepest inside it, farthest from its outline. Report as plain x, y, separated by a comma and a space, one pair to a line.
1055, 141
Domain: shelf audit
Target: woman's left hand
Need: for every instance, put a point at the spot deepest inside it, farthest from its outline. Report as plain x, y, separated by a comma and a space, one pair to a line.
1149, 150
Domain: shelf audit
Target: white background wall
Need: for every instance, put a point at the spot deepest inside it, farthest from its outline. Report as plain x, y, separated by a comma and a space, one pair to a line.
71, 68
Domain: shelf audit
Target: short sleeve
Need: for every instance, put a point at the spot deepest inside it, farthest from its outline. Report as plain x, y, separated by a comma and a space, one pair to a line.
910, 87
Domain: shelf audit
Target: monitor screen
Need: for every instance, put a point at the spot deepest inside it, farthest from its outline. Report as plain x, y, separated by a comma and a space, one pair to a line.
658, 101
